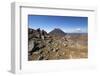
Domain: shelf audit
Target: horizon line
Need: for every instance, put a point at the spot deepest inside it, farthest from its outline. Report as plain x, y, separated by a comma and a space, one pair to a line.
57, 28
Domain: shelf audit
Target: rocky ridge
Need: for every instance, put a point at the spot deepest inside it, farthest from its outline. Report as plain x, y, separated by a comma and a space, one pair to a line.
54, 45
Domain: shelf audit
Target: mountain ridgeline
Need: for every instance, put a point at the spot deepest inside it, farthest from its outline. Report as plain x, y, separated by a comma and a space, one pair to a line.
54, 32
57, 32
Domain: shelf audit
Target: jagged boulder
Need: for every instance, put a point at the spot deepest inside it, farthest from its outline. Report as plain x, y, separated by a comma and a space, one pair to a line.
30, 45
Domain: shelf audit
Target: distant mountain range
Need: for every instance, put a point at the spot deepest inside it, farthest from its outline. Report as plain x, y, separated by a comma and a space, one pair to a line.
56, 32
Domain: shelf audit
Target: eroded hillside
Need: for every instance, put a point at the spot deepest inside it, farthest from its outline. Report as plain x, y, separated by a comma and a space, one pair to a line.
56, 45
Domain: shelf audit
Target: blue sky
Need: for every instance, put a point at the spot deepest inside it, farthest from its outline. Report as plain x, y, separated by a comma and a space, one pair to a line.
68, 24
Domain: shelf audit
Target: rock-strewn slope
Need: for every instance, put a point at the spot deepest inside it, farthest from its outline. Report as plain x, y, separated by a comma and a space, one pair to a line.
57, 45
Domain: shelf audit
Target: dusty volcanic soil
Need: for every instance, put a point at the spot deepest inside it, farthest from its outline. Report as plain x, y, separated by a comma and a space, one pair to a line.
44, 46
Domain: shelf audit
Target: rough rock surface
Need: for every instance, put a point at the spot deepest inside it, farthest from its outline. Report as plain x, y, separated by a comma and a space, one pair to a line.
44, 46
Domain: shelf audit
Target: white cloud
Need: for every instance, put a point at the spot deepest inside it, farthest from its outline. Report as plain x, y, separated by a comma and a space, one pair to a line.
78, 30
